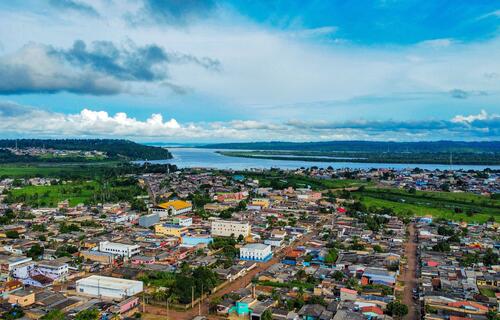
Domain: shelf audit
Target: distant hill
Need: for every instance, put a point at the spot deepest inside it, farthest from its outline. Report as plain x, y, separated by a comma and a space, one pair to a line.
367, 146
114, 148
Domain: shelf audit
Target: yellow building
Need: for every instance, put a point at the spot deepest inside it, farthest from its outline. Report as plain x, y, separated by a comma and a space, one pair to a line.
170, 230
262, 202
172, 208
22, 297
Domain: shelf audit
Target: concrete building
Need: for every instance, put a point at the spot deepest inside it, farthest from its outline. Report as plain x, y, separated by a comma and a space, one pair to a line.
119, 249
226, 228
53, 269
9, 263
172, 208
97, 256
22, 297
256, 252
108, 287
149, 220
183, 221
173, 230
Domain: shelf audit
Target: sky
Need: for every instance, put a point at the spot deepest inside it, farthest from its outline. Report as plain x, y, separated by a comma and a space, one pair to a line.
250, 70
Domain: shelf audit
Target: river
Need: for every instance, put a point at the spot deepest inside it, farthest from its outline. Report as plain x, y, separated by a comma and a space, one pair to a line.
208, 158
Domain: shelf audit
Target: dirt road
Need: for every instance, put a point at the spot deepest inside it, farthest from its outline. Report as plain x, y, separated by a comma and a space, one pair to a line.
235, 285
409, 274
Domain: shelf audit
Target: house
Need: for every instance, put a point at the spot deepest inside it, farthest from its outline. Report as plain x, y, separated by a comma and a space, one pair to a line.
311, 312
22, 297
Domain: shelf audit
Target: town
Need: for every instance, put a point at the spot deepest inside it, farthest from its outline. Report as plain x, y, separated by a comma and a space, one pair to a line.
253, 244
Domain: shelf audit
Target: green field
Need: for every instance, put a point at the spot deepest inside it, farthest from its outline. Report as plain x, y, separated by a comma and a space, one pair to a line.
452, 206
72, 170
279, 180
86, 192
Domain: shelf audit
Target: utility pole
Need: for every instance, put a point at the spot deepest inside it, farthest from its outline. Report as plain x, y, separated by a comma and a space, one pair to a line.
201, 299
192, 297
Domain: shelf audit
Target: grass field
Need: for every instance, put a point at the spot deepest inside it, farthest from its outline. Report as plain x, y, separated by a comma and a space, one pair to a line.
423, 210
53, 170
86, 192
280, 181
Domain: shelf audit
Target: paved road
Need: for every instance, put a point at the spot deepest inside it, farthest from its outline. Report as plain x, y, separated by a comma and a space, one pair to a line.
409, 275
235, 285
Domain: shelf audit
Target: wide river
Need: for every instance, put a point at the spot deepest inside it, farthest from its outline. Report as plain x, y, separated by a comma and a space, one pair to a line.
208, 158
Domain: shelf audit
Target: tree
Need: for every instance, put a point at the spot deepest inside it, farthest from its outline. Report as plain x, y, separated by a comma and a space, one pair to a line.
490, 258
331, 256
397, 309
267, 315
12, 234
54, 315
338, 275
35, 251
89, 314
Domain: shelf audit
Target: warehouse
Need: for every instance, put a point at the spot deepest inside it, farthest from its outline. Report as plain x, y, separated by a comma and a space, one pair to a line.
108, 287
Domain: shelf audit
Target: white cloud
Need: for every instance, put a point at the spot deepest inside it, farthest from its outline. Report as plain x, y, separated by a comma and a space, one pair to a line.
483, 115
29, 122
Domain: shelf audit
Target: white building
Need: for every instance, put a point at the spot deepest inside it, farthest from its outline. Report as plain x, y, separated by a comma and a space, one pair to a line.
53, 269
119, 249
9, 263
256, 252
108, 287
225, 228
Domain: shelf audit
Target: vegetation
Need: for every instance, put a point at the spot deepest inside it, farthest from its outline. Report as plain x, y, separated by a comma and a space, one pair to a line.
54, 315
86, 192
279, 180
367, 146
178, 287
451, 206
114, 149
79, 171
397, 309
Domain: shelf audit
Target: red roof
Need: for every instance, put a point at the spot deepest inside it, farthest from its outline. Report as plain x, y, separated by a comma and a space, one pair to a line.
460, 304
341, 210
346, 290
372, 309
432, 263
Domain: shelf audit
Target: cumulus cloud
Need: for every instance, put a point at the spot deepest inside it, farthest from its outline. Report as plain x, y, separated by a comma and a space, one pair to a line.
29, 121
99, 69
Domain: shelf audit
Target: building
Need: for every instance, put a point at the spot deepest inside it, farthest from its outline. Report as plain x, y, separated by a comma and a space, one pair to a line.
9, 263
256, 252
149, 220
183, 221
171, 230
119, 249
172, 208
226, 228
97, 256
22, 297
53, 269
108, 287
191, 241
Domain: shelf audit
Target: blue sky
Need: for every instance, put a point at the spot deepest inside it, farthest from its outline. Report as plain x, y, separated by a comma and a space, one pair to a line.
241, 70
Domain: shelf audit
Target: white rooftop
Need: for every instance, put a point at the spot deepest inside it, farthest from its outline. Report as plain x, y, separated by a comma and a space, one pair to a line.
108, 282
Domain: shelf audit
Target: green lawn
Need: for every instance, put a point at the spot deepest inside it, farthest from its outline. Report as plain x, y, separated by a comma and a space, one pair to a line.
54, 170
421, 210
86, 192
